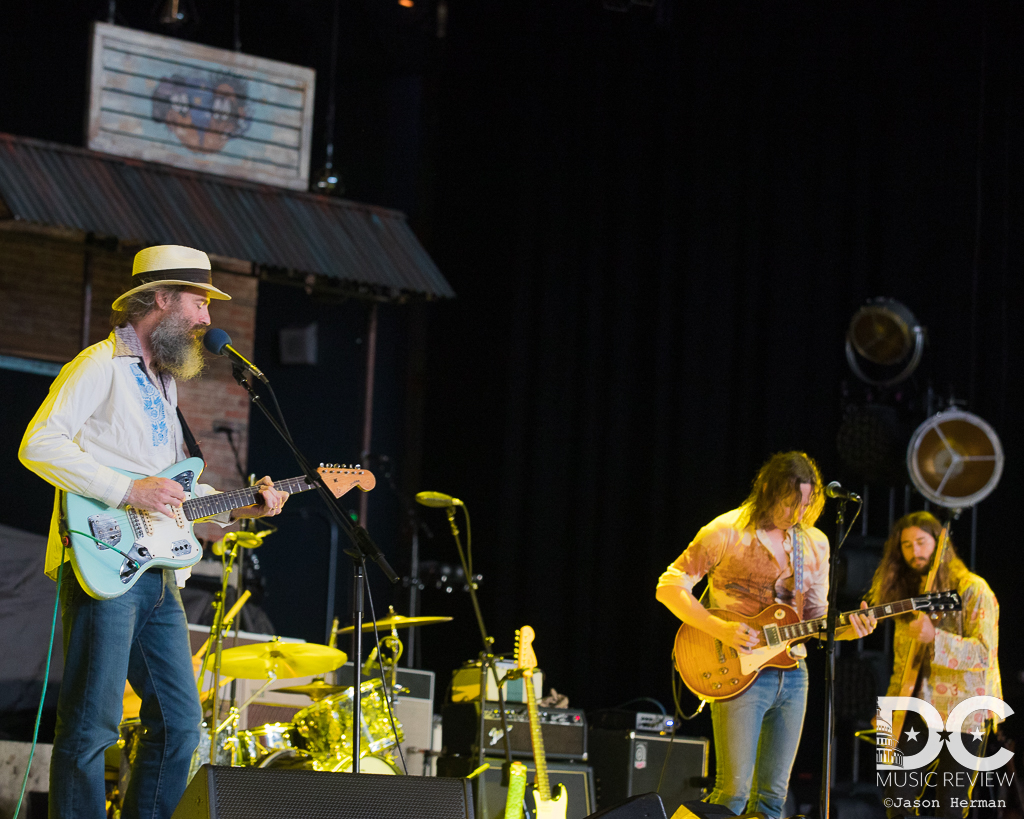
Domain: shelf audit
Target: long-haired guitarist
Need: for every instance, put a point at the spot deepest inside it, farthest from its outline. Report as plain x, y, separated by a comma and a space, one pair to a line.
767, 551
114, 407
959, 652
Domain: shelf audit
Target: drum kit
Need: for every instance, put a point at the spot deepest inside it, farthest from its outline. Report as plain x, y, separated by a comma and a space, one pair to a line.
319, 737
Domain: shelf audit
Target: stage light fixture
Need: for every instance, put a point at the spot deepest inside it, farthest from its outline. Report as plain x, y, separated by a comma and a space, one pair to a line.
955, 459
884, 342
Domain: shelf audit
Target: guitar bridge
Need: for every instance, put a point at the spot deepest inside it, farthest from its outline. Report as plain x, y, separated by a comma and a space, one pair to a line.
106, 529
771, 636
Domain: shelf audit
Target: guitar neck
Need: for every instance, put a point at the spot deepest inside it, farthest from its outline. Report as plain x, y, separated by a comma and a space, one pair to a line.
204, 507
540, 762
809, 628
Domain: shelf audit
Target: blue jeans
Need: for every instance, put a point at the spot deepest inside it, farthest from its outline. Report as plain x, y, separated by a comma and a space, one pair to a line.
756, 738
141, 636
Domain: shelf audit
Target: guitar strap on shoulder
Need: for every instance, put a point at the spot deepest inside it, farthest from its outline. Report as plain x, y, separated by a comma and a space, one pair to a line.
798, 570
190, 440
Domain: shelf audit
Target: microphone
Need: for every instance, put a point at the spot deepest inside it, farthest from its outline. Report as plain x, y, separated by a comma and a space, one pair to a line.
219, 343
437, 500
835, 490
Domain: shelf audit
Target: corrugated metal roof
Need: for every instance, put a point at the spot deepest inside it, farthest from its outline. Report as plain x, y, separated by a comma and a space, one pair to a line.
146, 203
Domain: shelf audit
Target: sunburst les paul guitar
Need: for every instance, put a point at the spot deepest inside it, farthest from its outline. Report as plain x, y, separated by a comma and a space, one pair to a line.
547, 806
111, 548
714, 671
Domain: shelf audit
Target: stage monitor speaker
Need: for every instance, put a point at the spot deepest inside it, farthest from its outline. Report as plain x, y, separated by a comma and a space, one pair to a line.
627, 763
220, 792
577, 777
708, 810
644, 806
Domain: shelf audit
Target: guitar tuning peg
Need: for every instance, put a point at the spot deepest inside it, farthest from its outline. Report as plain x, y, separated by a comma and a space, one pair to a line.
358, 466
321, 464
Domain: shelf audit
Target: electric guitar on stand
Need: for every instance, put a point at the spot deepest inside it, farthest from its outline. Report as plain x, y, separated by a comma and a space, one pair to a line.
547, 806
714, 671
111, 548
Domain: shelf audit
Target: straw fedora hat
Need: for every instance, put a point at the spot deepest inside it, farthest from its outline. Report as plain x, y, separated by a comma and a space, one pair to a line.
171, 264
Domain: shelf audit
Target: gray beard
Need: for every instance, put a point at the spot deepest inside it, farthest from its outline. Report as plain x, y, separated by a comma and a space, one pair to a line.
175, 349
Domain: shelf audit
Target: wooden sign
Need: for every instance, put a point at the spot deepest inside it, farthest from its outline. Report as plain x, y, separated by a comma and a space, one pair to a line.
167, 100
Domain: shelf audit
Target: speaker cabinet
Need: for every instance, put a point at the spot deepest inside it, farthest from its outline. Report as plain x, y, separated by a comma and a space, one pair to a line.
217, 792
490, 796
627, 763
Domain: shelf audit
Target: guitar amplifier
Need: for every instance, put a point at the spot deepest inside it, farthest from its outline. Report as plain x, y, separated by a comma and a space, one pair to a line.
629, 762
564, 730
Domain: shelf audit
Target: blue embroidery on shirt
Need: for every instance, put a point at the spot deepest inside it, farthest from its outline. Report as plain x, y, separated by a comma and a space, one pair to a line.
153, 406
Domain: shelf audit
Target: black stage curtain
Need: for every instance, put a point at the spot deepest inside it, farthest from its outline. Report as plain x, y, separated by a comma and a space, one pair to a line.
659, 224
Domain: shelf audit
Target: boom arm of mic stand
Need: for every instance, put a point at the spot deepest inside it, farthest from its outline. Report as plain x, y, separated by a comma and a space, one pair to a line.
359, 542
359, 537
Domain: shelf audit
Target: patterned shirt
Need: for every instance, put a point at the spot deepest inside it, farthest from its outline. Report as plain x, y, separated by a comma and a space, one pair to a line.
743, 574
104, 413
963, 660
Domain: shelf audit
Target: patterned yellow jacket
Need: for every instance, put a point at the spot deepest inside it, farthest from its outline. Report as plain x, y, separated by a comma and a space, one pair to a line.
963, 660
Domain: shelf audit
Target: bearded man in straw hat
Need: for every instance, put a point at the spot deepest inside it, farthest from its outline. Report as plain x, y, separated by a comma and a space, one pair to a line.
115, 405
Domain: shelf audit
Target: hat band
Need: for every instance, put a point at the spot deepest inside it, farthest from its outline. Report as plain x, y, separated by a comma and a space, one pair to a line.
188, 274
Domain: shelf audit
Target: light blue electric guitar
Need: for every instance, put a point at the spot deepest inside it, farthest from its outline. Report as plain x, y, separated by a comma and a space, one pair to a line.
111, 548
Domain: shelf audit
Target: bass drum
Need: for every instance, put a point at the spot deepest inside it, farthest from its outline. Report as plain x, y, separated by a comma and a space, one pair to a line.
292, 760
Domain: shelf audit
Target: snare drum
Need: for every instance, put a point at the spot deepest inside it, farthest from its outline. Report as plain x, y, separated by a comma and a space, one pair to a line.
256, 743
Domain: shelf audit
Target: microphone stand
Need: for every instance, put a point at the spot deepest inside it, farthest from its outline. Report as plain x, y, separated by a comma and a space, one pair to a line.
363, 547
487, 662
830, 661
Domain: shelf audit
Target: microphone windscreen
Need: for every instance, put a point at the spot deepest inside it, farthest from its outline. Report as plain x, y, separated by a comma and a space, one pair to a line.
215, 339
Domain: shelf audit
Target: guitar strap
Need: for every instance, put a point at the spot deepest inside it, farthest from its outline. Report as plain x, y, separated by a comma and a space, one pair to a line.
797, 533
190, 439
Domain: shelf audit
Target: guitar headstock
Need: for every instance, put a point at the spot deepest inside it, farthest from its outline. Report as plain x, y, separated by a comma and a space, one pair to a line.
938, 602
340, 478
525, 658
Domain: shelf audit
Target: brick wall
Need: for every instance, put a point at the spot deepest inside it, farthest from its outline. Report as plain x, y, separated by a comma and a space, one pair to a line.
41, 308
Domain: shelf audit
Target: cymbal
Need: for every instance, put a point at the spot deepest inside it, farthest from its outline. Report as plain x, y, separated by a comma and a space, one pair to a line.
263, 660
396, 621
316, 690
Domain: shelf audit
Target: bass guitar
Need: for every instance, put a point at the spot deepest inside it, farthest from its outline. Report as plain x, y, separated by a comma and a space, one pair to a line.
547, 806
714, 671
111, 548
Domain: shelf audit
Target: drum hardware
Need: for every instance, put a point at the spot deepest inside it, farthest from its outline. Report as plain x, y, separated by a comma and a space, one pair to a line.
316, 690
222, 621
396, 621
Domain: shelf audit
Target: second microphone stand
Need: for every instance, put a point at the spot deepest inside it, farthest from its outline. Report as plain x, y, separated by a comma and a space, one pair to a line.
487, 662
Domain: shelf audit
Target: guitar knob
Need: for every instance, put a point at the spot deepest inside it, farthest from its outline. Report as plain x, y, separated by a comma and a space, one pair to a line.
723, 670
734, 681
706, 675
716, 686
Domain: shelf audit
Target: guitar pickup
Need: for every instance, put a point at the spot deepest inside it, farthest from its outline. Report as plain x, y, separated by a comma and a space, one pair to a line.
105, 529
771, 636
